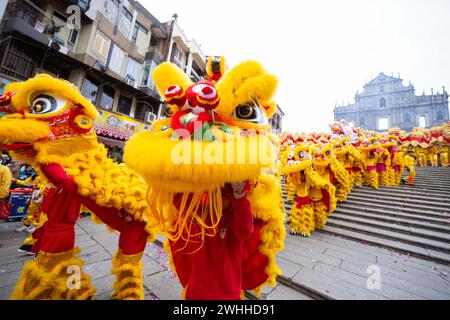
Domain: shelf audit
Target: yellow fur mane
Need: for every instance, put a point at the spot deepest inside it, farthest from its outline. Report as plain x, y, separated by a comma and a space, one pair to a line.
98, 177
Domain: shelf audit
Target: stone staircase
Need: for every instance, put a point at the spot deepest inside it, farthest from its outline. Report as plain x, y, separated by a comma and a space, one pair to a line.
405, 231
409, 220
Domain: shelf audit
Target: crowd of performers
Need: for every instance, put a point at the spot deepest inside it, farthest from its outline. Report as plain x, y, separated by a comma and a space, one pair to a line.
320, 169
222, 220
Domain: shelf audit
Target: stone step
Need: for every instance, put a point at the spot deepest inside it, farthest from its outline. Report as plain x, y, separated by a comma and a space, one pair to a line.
430, 175
389, 211
433, 179
403, 198
301, 288
389, 191
413, 250
418, 231
444, 172
434, 222
422, 182
434, 171
365, 201
432, 216
401, 202
398, 218
441, 195
422, 185
429, 187
391, 235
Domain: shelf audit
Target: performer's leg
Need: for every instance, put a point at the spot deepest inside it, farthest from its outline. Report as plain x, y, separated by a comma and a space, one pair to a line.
127, 263
341, 194
320, 215
411, 176
55, 276
358, 176
397, 177
302, 220
371, 178
55, 273
444, 159
126, 266
384, 178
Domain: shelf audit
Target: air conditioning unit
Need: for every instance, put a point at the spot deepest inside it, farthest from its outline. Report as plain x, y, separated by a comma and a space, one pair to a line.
149, 116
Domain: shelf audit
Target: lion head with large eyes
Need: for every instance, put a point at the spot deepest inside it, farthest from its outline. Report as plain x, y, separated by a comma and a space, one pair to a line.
370, 144
322, 154
41, 110
213, 133
298, 159
342, 146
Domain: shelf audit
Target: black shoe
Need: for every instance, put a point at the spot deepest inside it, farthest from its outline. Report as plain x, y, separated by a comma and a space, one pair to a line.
26, 248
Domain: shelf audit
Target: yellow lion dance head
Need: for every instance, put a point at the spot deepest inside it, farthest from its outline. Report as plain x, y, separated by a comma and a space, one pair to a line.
215, 133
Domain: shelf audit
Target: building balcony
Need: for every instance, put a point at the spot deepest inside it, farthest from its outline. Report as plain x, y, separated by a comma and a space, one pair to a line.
26, 29
158, 30
180, 38
196, 52
31, 21
153, 54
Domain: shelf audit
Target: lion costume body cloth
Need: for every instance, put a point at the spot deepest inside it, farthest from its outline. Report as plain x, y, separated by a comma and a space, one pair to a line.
215, 134
50, 126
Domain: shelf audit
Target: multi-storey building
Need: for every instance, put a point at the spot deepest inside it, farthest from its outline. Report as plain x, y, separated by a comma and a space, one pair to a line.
386, 103
109, 53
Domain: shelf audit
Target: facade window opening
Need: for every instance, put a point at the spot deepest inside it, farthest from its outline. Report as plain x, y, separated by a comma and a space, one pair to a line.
124, 105
383, 123
153, 42
90, 89
362, 121
382, 88
422, 121
73, 37
107, 98
382, 102
440, 116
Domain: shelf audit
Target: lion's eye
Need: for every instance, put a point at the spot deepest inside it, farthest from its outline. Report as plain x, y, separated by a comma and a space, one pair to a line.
44, 103
301, 155
250, 112
245, 112
344, 143
327, 153
168, 112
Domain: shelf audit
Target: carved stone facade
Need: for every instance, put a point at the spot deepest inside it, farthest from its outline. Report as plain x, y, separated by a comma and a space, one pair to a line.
386, 103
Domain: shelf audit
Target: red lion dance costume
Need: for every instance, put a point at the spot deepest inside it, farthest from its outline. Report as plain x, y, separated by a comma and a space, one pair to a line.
49, 124
204, 166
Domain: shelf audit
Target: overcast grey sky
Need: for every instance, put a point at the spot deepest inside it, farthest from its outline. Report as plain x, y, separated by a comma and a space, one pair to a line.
322, 51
